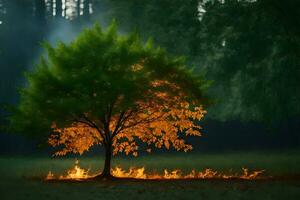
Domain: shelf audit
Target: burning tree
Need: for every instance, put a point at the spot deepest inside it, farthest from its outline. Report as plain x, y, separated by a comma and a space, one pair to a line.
111, 90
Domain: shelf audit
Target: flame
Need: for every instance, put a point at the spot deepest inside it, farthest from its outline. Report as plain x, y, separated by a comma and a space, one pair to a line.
139, 173
78, 173
50, 176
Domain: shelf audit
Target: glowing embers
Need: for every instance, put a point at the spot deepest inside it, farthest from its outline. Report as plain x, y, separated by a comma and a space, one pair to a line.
78, 173
75, 173
139, 173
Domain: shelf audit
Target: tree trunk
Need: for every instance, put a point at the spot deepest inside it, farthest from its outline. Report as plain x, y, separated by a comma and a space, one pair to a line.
106, 173
107, 163
58, 8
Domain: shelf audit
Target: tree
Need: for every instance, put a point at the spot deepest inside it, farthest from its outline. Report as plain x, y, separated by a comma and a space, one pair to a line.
172, 24
18, 17
249, 48
111, 90
251, 51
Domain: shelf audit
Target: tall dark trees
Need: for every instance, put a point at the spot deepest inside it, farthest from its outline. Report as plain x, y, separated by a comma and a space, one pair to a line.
58, 9
24, 25
251, 51
248, 48
17, 38
86, 8
172, 24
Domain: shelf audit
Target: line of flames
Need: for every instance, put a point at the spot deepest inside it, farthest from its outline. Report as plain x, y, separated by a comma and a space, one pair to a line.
78, 173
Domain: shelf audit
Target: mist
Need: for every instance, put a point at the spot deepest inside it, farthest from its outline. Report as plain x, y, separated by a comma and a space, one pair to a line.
25, 25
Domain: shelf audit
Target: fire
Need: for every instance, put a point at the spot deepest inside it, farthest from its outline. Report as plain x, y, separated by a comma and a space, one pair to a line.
78, 173
75, 173
139, 173
50, 176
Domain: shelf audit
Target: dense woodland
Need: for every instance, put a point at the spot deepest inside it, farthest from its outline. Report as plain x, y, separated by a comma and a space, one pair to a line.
247, 49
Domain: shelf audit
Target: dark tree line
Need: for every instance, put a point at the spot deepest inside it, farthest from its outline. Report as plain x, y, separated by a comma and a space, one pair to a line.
249, 49
24, 25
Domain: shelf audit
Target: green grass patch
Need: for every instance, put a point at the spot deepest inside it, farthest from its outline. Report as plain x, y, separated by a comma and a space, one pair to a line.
22, 177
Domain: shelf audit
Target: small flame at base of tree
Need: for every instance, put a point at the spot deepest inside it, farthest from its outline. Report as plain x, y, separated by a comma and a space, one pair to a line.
78, 173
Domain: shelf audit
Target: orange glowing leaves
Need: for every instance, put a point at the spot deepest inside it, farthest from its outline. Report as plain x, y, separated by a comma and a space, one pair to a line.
167, 144
126, 147
75, 139
160, 119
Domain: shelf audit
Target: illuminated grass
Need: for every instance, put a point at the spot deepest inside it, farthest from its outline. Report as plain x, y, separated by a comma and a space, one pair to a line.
285, 163
21, 178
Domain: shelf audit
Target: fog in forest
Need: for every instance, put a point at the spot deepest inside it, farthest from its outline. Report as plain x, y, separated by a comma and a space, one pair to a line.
248, 49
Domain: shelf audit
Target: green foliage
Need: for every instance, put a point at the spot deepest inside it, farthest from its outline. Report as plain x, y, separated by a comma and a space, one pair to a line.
249, 48
172, 24
251, 51
90, 74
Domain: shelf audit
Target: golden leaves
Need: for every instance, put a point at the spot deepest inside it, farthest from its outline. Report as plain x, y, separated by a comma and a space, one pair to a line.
75, 139
167, 144
126, 147
161, 119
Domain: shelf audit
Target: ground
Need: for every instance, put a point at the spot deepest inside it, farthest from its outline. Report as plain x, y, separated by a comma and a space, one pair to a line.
22, 178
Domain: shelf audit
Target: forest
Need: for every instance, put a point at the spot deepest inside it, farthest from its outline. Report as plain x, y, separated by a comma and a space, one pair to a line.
248, 51
152, 99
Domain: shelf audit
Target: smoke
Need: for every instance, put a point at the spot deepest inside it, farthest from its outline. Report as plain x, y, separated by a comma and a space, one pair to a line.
65, 27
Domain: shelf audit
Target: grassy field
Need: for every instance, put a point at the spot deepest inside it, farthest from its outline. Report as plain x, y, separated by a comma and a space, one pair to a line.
22, 177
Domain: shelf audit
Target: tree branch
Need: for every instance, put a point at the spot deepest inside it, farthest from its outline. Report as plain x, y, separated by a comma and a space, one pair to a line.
146, 121
92, 125
121, 122
118, 123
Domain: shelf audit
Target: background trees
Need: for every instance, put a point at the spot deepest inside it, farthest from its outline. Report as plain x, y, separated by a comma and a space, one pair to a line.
248, 48
251, 51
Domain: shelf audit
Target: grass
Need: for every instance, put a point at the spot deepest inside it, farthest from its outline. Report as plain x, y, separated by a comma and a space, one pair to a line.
22, 177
